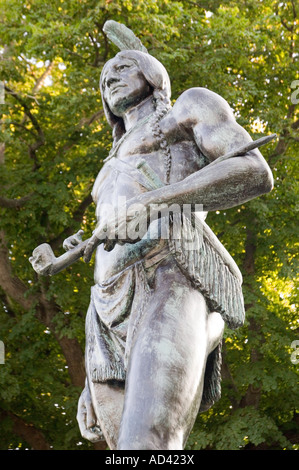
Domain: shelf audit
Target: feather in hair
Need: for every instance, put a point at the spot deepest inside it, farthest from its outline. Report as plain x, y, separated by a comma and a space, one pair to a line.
123, 37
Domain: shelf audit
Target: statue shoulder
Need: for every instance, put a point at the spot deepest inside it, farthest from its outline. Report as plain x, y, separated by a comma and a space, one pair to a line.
199, 104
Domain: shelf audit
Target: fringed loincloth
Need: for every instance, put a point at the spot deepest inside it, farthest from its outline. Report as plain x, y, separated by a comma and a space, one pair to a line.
209, 266
114, 312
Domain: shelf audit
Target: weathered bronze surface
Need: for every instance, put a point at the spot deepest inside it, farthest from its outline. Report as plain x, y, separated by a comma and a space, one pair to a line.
164, 284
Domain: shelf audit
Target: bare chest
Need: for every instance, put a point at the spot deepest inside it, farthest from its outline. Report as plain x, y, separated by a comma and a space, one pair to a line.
162, 147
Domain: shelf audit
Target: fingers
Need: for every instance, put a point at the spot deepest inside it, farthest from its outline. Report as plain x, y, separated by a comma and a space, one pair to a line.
92, 244
91, 434
87, 420
68, 245
70, 242
90, 419
88, 252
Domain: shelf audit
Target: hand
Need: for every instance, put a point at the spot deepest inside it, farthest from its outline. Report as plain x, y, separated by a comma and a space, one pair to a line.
93, 242
129, 226
87, 420
42, 259
72, 241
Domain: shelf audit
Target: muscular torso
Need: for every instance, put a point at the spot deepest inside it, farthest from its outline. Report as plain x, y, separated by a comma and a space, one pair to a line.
199, 128
112, 186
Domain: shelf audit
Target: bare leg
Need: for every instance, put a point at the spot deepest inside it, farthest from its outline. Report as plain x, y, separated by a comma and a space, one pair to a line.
165, 378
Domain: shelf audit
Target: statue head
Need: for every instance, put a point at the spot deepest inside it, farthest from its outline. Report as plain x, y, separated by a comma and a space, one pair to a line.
149, 71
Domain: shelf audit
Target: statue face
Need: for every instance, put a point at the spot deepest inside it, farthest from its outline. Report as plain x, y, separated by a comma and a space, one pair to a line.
123, 85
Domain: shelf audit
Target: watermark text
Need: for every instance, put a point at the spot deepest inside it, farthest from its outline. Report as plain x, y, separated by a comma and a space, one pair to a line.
157, 221
2, 353
2, 93
295, 353
295, 94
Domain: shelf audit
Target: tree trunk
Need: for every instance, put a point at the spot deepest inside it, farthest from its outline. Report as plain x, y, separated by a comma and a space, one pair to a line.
15, 289
33, 436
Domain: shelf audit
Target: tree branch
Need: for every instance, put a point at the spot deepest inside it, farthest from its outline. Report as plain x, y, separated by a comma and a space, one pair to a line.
41, 80
76, 54
21, 124
27, 111
284, 24
14, 203
253, 392
294, 9
106, 42
71, 349
33, 436
40, 135
11, 285
94, 42
88, 121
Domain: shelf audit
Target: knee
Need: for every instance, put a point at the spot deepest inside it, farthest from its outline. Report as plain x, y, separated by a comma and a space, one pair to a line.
215, 330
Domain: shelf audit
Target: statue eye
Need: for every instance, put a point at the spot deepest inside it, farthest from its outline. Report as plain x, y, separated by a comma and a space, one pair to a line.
123, 66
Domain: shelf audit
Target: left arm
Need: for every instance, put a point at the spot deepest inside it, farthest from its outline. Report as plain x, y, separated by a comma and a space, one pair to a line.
227, 184
216, 132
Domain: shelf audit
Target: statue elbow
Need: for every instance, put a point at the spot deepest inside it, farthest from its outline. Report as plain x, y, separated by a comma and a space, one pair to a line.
268, 182
265, 178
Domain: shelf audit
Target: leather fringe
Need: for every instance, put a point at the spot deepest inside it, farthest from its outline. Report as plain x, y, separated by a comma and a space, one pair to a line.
210, 268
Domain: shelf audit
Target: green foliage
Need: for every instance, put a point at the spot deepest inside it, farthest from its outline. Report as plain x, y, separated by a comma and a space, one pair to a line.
56, 138
235, 431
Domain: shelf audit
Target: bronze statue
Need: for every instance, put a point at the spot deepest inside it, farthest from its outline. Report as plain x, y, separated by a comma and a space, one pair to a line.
164, 284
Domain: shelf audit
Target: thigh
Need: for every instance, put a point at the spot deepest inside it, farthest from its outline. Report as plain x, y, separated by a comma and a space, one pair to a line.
166, 368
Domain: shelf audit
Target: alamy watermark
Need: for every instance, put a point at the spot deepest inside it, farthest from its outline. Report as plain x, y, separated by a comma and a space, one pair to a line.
295, 353
295, 94
2, 93
2, 353
158, 221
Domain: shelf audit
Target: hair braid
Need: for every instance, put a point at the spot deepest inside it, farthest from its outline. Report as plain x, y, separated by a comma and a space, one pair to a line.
162, 107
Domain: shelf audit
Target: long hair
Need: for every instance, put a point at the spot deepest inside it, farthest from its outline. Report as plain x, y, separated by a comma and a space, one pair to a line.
158, 79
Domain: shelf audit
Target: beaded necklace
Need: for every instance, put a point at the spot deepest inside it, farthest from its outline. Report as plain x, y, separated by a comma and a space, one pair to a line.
157, 133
